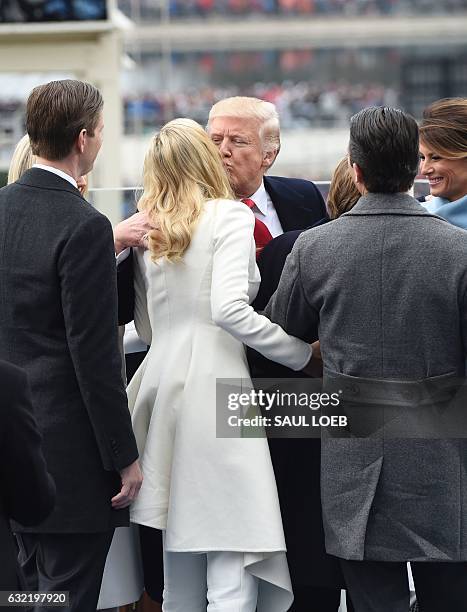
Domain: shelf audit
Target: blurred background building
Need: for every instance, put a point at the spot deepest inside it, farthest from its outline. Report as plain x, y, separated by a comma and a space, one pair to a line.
319, 61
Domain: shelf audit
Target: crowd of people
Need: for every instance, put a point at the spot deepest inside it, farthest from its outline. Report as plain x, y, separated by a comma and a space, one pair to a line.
302, 104
31, 11
147, 9
63, 10
233, 276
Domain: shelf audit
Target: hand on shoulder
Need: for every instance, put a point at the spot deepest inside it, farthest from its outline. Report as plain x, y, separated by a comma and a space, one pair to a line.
132, 232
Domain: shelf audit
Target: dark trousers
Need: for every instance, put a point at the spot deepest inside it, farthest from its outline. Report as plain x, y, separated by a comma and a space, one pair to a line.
71, 562
378, 586
153, 565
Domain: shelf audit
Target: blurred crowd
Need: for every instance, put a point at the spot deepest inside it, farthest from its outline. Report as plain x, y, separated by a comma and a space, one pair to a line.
51, 10
201, 8
60, 10
302, 104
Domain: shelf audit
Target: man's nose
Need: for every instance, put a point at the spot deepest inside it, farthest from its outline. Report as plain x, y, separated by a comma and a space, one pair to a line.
224, 148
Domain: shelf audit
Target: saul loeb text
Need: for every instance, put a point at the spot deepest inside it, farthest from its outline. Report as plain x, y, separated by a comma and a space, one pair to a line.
280, 410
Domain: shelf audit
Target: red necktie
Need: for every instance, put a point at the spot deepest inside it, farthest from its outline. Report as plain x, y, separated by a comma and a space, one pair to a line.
261, 233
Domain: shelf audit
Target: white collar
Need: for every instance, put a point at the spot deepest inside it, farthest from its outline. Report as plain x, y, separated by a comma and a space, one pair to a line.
58, 172
261, 199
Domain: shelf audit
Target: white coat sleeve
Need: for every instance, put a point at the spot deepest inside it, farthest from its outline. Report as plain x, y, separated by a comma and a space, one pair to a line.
233, 236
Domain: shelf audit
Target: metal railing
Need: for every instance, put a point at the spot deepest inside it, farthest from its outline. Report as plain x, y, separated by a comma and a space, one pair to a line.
119, 203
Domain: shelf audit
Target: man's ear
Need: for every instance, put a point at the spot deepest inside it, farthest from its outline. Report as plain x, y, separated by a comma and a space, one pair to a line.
269, 157
358, 178
81, 140
357, 173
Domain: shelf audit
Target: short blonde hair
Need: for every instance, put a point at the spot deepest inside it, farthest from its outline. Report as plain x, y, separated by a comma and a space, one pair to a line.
182, 170
252, 108
22, 159
343, 193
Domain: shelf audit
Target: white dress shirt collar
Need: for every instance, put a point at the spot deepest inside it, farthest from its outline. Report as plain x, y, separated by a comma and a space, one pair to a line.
58, 172
261, 199
264, 211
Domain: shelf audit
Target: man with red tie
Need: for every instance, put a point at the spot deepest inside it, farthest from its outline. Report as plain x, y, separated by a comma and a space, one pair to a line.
247, 133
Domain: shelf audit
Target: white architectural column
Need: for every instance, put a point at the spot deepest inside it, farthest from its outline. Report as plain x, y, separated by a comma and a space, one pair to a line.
89, 54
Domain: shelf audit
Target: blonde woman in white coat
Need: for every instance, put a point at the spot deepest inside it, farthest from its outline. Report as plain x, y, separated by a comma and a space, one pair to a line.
214, 498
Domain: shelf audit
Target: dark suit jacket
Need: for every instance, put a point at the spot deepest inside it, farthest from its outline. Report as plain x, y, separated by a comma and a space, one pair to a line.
58, 320
298, 203
27, 492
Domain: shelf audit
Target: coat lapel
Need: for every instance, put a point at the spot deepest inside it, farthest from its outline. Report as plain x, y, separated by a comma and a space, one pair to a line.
289, 204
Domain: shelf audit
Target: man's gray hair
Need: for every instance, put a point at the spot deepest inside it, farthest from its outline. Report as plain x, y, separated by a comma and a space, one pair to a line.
245, 107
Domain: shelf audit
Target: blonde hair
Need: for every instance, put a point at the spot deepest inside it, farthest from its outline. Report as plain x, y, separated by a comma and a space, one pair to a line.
444, 127
22, 159
343, 193
182, 170
245, 107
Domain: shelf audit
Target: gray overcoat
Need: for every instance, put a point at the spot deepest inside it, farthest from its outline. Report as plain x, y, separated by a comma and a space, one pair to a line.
387, 285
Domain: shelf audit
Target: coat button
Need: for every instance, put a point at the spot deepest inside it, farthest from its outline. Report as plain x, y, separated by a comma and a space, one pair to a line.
353, 389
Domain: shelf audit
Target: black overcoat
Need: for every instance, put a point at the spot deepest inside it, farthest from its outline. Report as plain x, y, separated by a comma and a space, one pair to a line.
58, 321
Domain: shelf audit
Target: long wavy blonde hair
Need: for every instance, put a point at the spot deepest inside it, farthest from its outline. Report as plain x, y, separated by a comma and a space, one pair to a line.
182, 170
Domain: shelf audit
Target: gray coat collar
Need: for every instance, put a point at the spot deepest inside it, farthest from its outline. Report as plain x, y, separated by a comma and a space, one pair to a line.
388, 204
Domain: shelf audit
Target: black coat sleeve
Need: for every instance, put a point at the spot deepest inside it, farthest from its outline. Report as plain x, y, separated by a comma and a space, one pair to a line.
271, 262
126, 290
89, 302
28, 491
289, 307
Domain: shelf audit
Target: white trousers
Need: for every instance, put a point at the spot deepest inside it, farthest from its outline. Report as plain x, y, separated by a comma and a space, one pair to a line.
218, 578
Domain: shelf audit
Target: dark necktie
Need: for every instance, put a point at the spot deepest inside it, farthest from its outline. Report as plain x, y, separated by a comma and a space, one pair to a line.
261, 233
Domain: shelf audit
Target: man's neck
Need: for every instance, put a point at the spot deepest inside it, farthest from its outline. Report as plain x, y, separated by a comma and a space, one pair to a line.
65, 165
251, 191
